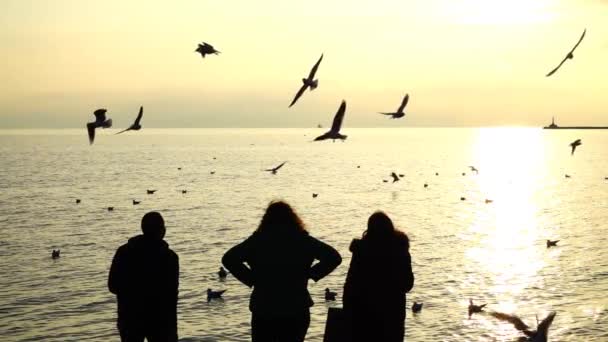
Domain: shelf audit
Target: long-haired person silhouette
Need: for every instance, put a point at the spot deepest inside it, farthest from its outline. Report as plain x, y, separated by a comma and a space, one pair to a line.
379, 276
277, 261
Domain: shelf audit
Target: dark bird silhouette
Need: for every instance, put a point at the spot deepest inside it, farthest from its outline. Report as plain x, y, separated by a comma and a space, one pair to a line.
436, 173
488, 201
552, 243
179, 168
399, 113
136, 202
212, 172
334, 132
206, 49
78, 201
150, 192
462, 198
474, 169
184, 191
401, 175
395, 177
426, 185
55, 254
276, 168
309, 82
567, 175
539, 335
570, 55
416, 307
464, 174
100, 121
222, 273
110, 208
214, 294
574, 144
329, 295
314, 195
136, 126
475, 308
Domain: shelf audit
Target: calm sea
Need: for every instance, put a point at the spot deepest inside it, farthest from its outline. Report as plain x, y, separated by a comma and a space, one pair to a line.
492, 252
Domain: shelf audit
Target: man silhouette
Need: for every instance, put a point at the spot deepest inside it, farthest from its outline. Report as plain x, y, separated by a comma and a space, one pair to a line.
145, 276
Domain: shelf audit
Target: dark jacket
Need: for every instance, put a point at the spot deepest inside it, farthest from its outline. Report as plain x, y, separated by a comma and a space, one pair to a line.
145, 277
279, 269
379, 276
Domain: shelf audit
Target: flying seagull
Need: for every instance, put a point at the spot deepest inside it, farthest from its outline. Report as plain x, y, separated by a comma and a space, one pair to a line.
475, 308
135, 126
569, 55
395, 177
206, 49
474, 169
309, 82
334, 132
399, 113
538, 335
574, 144
276, 168
100, 121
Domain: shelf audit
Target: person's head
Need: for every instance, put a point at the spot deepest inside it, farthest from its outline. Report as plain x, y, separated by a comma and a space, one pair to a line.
380, 228
153, 225
280, 218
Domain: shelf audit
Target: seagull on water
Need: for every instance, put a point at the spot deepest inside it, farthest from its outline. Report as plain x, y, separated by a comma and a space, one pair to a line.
539, 335
136, 126
552, 243
214, 294
399, 113
574, 144
334, 132
206, 49
475, 308
570, 55
416, 307
329, 295
55, 254
136, 202
222, 273
314, 195
78, 201
150, 192
395, 177
276, 168
100, 121
474, 169
110, 208
309, 82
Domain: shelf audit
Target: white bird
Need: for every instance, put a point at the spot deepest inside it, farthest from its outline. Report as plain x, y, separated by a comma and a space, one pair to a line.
100, 121
136, 126
276, 168
214, 294
539, 335
399, 113
308, 82
334, 132
570, 55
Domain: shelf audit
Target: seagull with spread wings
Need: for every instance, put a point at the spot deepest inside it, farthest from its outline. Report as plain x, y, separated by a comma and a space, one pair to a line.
539, 335
399, 113
309, 82
276, 168
100, 121
574, 144
334, 132
570, 55
206, 49
136, 126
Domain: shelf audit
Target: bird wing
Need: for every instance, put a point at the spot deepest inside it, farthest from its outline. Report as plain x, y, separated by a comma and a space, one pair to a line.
313, 71
298, 94
579, 41
557, 67
383, 113
124, 130
516, 321
100, 115
546, 323
322, 136
280, 166
406, 98
335, 126
394, 175
139, 116
573, 148
91, 130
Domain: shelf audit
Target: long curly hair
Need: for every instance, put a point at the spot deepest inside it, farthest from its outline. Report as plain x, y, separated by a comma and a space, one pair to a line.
380, 229
280, 218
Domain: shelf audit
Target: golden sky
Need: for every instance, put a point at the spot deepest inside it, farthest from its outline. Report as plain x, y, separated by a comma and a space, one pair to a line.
463, 62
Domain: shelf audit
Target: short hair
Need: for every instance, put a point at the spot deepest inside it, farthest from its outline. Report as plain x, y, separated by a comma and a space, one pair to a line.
152, 223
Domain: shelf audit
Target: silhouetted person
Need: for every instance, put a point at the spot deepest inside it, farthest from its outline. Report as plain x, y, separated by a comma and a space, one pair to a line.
145, 277
279, 257
379, 276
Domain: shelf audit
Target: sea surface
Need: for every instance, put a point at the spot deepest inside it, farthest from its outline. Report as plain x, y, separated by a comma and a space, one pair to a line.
492, 253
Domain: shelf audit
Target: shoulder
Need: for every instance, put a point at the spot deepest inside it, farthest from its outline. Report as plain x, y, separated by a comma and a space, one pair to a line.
402, 239
354, 245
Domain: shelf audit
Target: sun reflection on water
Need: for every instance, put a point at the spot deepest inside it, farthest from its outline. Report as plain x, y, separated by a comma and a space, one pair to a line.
510, 161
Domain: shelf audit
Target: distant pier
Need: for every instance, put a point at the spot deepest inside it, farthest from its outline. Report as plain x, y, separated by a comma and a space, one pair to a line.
554, 126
